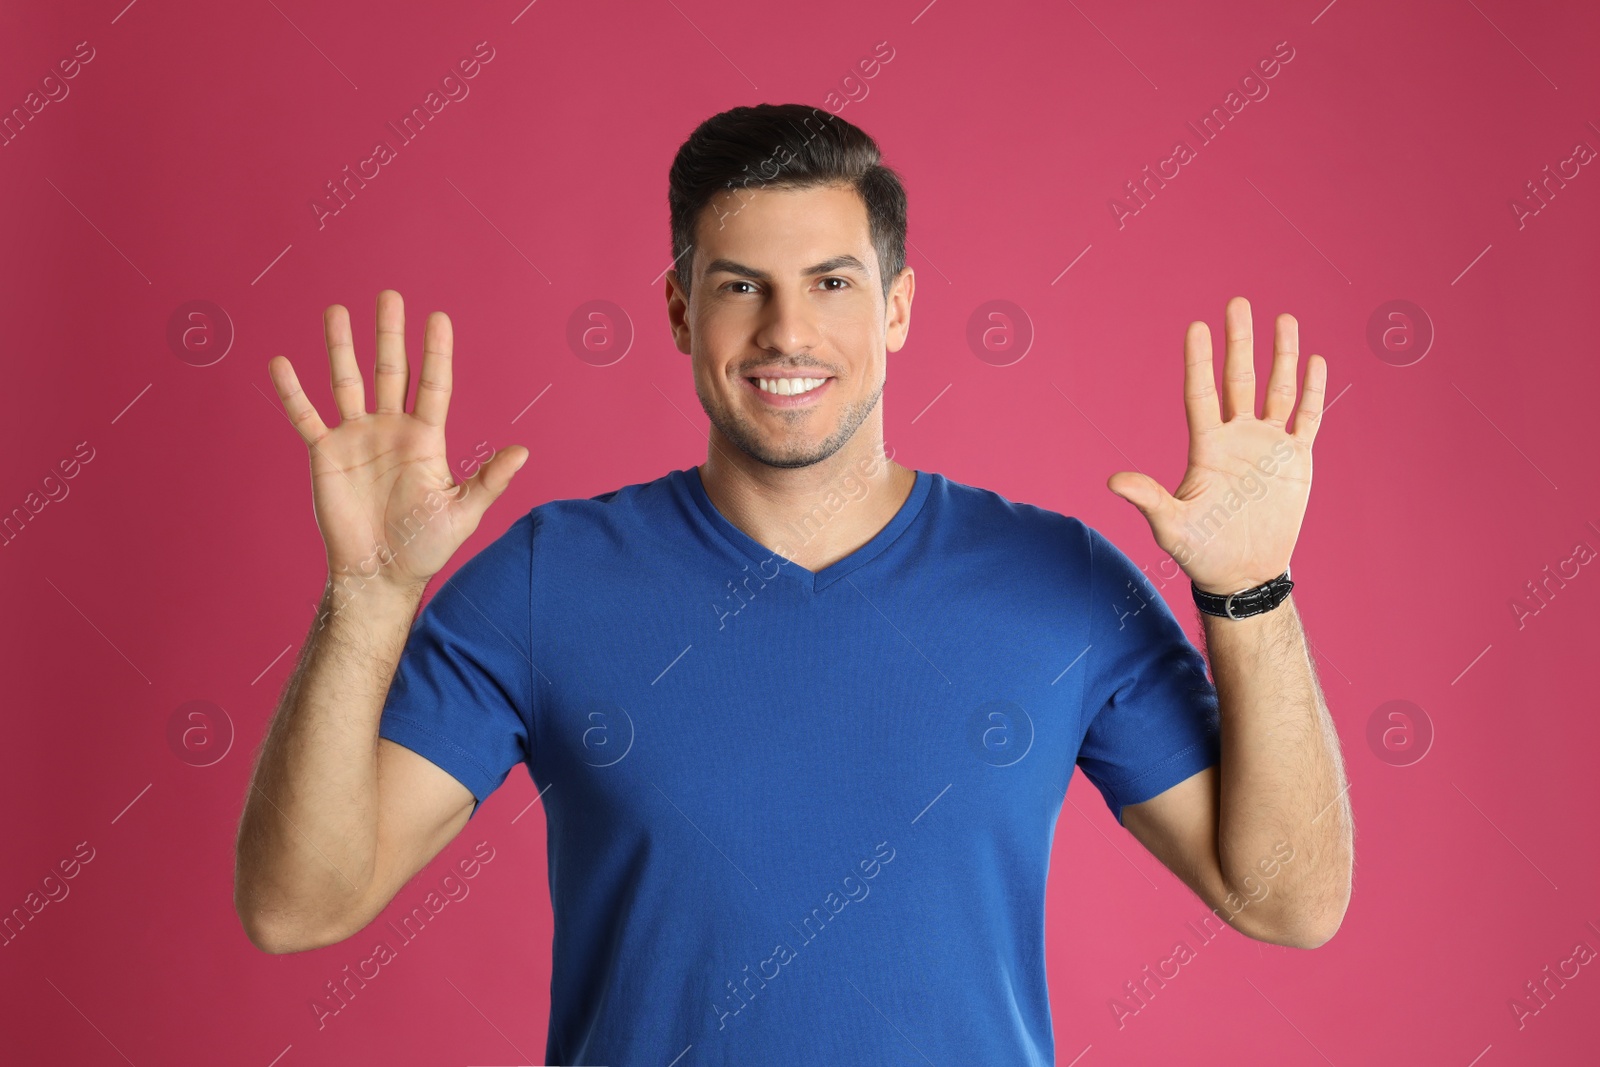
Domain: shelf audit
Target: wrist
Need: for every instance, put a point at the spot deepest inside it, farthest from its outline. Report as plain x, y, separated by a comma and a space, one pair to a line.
349, 597
376, 572
1241, 603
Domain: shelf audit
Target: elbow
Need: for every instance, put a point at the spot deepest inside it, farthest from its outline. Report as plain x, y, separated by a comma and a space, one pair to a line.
278, 924
1304, 917
1311, 930
1305, 936
270, 937
267, 939
277, 939
263, 934
276, 935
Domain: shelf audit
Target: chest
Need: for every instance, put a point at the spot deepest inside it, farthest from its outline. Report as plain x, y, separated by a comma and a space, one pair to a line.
808, 713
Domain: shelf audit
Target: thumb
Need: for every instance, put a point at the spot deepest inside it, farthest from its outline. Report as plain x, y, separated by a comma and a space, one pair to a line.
1140, 490
485, 487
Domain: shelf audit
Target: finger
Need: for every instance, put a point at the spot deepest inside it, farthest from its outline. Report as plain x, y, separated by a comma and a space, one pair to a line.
485, 487
1285, 359
433, 388
1142, 491
1309, 417
1199, 381
1238, 368
391, 373
349, 394
302, 412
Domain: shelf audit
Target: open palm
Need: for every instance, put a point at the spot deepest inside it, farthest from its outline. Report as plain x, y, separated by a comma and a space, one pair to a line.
1233, 521
382, 490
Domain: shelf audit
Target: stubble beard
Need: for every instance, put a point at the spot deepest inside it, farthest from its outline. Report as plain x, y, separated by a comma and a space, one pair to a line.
748, 438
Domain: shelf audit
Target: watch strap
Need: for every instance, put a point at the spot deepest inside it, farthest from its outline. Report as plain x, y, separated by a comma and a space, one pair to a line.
1246, 602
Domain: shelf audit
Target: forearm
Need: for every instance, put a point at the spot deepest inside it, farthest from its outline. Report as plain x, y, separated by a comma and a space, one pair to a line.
307, 843
1282, 777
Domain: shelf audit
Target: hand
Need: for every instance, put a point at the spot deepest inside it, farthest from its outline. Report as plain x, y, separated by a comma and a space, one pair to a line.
381, 486
1234, 519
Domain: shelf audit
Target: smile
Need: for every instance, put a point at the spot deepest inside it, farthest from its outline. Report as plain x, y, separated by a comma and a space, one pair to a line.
788, 392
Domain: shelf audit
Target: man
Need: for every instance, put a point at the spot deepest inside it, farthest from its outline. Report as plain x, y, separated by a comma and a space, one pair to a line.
801, 718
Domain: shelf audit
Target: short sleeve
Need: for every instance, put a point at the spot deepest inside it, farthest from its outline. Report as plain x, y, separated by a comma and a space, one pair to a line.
462, 694
1152, 713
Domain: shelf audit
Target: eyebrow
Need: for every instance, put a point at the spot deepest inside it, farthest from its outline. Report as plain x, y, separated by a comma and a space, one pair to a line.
844, 262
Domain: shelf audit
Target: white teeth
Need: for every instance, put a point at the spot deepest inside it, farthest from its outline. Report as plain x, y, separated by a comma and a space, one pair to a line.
789, 386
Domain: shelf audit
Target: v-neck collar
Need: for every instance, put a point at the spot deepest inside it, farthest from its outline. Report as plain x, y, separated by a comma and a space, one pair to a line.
815, 581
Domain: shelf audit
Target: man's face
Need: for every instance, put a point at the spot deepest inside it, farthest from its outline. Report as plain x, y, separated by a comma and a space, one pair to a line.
787, 294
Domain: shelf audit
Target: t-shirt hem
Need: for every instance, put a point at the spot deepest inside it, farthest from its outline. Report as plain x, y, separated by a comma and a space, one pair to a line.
1178, 767
440, 751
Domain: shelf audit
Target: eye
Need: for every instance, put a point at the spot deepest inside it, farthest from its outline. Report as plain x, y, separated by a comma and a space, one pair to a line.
738, 283
845, 281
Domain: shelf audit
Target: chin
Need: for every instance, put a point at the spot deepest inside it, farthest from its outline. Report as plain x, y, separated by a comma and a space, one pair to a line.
792, 453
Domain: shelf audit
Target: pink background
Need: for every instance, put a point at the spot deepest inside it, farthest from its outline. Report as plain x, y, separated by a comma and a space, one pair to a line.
184, 562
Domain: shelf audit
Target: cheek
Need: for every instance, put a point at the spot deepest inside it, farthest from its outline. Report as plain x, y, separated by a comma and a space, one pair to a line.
716, 384
861, 312
720, 337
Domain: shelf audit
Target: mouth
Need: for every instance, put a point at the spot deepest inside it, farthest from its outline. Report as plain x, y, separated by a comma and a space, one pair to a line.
788, 392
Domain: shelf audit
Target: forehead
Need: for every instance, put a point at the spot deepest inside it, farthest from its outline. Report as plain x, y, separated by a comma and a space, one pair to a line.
777, 225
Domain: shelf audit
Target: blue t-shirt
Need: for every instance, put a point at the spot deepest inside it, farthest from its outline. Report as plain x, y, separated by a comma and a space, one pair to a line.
794, 816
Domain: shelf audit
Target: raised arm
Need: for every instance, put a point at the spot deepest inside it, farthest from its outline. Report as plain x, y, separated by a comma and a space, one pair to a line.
1269, 834
337, 819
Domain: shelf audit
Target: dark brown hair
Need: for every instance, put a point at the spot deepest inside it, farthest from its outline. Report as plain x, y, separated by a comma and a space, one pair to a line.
786, 146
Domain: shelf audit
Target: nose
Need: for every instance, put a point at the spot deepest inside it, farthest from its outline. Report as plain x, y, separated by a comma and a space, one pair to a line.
789, 324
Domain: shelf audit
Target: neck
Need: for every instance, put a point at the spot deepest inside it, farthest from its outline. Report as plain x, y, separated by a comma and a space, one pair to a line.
815, 515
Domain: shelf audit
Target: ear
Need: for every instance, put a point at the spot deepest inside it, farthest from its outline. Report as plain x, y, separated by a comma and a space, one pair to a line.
678, 313
897, 310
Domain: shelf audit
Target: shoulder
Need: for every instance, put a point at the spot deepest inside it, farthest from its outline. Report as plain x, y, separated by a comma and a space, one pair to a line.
610, 504
1050, 544
1023, 548
547, 526
987, 515
620, 519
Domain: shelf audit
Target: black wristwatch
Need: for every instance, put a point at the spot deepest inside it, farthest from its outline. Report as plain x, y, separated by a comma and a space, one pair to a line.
1247, 602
